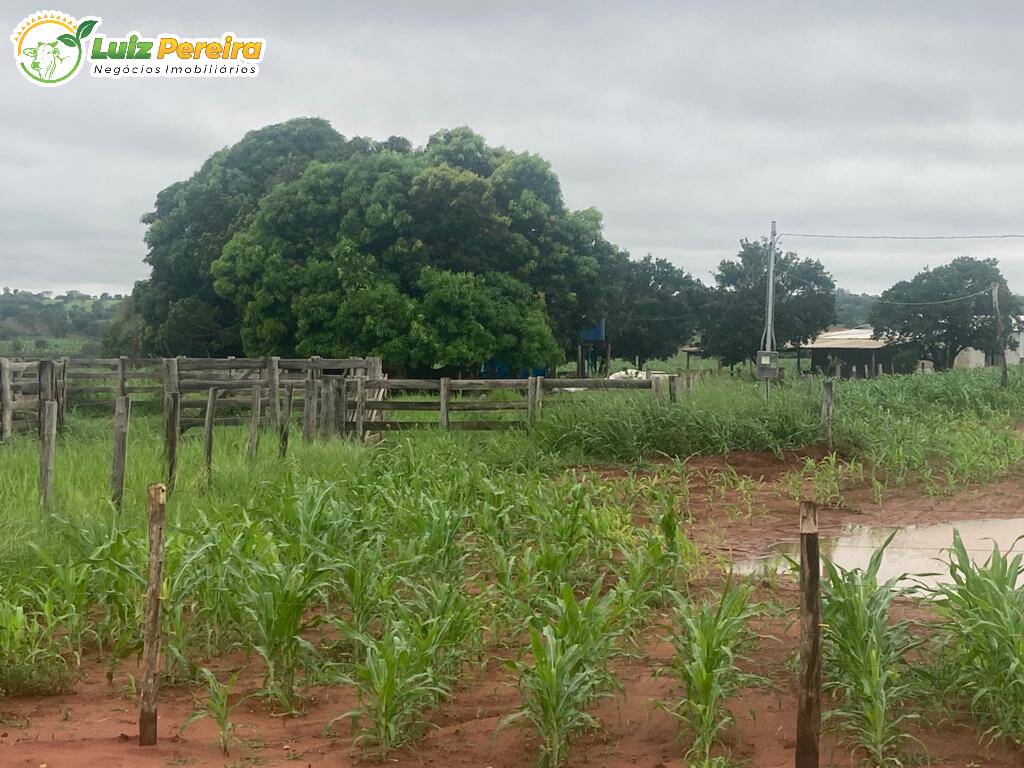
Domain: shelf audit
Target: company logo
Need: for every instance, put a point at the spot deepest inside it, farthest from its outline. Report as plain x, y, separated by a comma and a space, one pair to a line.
50, 48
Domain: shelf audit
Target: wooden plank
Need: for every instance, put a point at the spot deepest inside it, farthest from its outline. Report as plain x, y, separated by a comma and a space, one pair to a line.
220, 363
489, 405
198, 385
156, 512
47, 448
122, 415
808, 722
252, 445
309, 408
321, 364
531, 399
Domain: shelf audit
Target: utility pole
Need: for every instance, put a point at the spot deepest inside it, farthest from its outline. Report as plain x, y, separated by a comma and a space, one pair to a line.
768, 357
1000, 338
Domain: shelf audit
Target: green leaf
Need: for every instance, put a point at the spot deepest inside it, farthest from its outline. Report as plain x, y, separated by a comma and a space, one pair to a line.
68, 40
85, 28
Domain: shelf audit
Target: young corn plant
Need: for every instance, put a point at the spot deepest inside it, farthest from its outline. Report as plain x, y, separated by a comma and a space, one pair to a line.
982, 639
217, 707
570, 671
396, 685
275, 597
29, 664
709, 640
866, 664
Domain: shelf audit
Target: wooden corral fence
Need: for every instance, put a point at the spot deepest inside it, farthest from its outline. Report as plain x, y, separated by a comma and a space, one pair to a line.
452, 403
25, 387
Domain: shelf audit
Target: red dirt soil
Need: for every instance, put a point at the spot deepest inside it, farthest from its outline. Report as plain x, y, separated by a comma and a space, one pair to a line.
97, 725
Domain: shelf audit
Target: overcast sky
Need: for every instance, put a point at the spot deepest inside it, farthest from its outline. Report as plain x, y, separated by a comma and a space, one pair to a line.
688, 125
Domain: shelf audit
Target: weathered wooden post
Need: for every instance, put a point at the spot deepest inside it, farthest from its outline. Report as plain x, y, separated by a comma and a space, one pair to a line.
343, 419
172, 420
6, 399
655, 381
827, 409
328, 411
211, 412
156, 511
46, 382
309, 406
47, 446
274, 382
808, 718
673, 388
254, 423
360, 408
538, 397
531, 399
122, 415
446, 394
286, 421
122, 376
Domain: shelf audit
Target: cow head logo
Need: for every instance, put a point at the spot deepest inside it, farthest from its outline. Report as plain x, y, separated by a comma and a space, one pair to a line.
48, 46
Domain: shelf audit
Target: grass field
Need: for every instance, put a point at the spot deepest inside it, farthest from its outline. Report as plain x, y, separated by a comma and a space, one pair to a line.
390, 569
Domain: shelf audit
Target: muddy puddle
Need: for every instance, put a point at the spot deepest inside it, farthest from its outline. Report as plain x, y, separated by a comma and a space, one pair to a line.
917, 551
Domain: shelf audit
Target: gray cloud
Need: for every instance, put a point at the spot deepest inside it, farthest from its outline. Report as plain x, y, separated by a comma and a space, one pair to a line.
688, 125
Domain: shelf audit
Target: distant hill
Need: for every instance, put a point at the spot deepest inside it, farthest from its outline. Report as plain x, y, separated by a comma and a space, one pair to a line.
852, 309
42, 324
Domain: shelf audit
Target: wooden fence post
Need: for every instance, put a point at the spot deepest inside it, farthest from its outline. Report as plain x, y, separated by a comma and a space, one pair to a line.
211, 411
286, 421
538, 397
47, 447
254, 423
446, 394
172, 420
309, 406
673, 388
328, 411
156, 511
531, 399
808, 722
122, 415
827, 409
344, 405
46, 382
122, 376
274, 382
360, 408
6, 399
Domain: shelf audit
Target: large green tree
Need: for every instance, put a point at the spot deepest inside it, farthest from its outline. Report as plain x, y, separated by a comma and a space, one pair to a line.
299, 241
944, 310
733, 318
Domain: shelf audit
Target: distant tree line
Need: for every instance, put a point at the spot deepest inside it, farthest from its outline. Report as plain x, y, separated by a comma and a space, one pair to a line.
297, 240
30, 323
300, 241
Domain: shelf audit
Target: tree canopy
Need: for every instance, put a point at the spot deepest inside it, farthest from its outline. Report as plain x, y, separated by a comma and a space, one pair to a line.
733, 319
297, 240
944, 310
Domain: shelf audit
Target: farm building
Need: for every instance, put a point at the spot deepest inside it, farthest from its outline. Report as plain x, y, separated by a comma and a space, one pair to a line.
849, 352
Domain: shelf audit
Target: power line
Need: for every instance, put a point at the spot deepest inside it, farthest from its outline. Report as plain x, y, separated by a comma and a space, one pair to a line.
986, 291
902, 237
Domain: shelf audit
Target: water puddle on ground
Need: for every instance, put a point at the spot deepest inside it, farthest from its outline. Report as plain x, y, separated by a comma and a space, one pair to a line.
916, 550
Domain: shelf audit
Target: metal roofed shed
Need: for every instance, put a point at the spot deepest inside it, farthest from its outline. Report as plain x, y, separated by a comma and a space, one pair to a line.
850, 352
